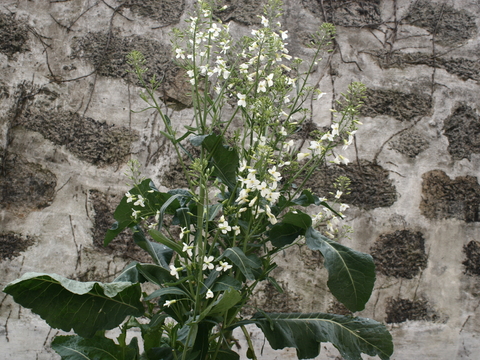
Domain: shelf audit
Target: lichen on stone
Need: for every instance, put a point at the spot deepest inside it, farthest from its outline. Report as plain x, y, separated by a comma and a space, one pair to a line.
90, 140
462, 129
170, 10
444, 198
464, 68
13, 35
409, 143
400, 310
12, 245
370, 186
246, 12
400, 254
397, 104
123, 245
449, 25
472, 258
346, 12
25, 186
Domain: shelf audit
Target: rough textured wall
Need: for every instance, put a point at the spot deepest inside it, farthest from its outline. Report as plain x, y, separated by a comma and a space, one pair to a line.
66, 132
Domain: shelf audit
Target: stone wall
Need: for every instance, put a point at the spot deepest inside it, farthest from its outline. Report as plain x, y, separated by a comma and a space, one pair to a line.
67, 131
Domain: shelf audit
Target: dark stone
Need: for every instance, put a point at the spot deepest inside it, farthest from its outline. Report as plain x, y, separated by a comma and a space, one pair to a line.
449, 25
123, 245
402, 106
246, 12
443, 198
25, 186
11, 245
347, 12
401, 310
95, 142
462, 129
462, 67
165, 11
400, 254
409, 143
13, 35
370, 186
472, 260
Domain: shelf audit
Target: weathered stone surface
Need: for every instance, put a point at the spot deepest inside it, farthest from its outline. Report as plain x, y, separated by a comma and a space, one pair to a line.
410, 143
464, 68
245, 12
168, 11
472, 258
462, 129
11, 245
95, 142
400, 310
25, 186
400, 105
123, 245
370, 186
400, 254
444, 198
346, 12
13, 35
449, 25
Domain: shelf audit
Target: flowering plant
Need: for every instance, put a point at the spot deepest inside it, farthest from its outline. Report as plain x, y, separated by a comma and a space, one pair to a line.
246, 202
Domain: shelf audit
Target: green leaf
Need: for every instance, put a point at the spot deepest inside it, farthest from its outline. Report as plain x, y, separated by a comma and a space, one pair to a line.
223, 159
282, 234
171, 290
227, 354
96, 348
130, 274
306, 199
160, 253
229, 299
158, 236
351, 274
155, 274
164, 353
298, 218
305, 332
244, 263
225, 282
85, 307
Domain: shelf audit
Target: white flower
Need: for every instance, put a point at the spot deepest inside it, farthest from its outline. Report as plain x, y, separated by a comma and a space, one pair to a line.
169, 302
335, 129
254, 200
223, 225
262, 86
236, 228
264, 21
301, 156
243, 197
207, 263
174, 270
343, 207
130, 197
188, 249
209, 294
314, 146
338, 194
135, 213
223, 266
275, 174
241, 100
282, 131
244, 68
243, 165
273, 197
288, 145
328, 136
180, 53
320, 95
191, 73
270, 80
341, 159
284, 34
271, 217
140, 201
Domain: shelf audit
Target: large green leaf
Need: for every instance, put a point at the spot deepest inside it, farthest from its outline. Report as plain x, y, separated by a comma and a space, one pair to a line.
160, 253
96, 348
244, 263
224, 160
85, 307
351, 274
305, 332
